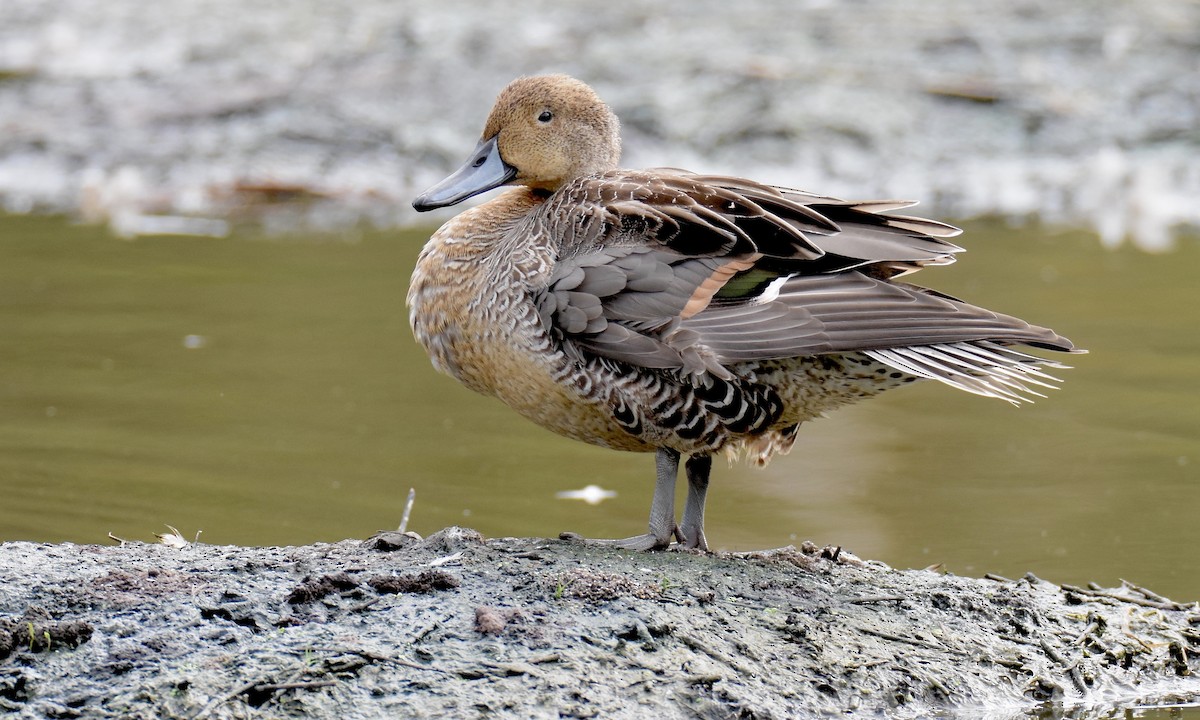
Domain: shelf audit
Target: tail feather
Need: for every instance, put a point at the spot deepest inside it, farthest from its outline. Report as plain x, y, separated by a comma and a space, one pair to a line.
981, 367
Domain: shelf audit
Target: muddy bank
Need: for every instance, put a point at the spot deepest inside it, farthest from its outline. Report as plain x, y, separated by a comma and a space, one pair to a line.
459, 626
146, 116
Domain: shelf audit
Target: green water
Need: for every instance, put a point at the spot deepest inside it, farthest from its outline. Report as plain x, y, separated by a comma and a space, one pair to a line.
267, 391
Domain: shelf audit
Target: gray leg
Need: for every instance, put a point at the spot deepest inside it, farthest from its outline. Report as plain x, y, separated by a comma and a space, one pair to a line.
662, 508
691, 528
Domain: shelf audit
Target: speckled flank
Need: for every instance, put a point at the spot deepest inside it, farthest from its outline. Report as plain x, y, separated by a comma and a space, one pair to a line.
469, 307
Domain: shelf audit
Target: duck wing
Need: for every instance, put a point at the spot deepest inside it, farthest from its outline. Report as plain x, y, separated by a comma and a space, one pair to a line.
863, 234
670, 270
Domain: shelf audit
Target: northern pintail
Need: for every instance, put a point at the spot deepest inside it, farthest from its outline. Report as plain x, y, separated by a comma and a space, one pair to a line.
684, 314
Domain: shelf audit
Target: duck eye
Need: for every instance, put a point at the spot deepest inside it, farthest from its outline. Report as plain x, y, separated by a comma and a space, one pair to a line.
546, 116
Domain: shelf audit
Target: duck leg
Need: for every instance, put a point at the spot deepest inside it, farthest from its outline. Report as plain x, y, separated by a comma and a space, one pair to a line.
691, 527
662, 509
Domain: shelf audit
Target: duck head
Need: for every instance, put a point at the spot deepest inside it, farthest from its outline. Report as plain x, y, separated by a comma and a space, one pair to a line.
543, 132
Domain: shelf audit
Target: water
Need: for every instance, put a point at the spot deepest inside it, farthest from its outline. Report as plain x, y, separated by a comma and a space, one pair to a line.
267, 391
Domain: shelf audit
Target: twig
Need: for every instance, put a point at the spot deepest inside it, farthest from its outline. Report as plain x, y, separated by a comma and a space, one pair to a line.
715, 654
365, 604
1083, 636
446, 560
1017, 640
217, 702
876, 598
764, 554
412, 495
868, 664
1072, 671
1156, 604
377, 657
1148, 594
436, 624
899, 638
272, 687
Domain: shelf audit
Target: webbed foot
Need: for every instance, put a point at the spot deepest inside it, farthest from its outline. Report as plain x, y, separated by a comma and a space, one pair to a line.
639, 543
690, 531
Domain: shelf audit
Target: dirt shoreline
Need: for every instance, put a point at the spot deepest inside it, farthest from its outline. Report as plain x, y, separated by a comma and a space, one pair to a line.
459, 626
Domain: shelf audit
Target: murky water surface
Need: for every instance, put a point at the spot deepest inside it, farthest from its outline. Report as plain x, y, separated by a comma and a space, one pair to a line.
268, 391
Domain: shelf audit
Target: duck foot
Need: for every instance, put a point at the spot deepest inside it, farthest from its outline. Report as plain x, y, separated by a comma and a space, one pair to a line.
690, 530
662, 510
638, 543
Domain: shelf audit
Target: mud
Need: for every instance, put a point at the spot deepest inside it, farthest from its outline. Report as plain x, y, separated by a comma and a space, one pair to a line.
459, 626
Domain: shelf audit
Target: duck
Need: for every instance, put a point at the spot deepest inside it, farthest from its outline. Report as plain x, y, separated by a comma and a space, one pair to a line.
685, 314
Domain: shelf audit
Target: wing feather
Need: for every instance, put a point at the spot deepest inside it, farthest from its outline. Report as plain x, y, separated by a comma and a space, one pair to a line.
696, 273
851, 311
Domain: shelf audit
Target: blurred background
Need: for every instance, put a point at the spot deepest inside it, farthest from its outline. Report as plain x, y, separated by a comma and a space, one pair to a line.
208, 241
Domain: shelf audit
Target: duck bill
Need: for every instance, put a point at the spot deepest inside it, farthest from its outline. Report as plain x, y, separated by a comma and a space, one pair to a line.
481, 172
